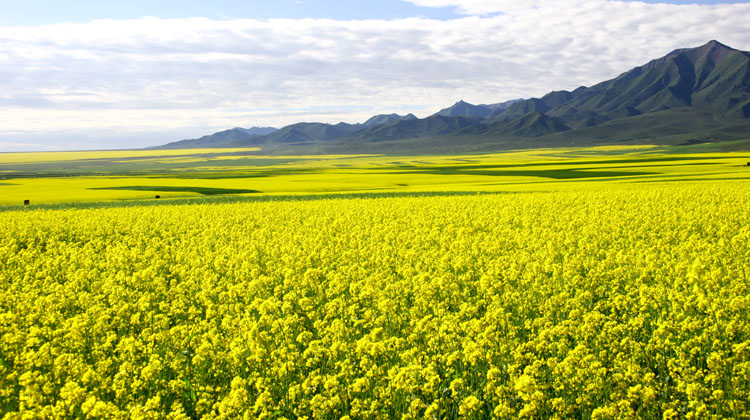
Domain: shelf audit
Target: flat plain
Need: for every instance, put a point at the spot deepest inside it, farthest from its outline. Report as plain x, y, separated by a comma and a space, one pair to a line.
598, 283
79, 177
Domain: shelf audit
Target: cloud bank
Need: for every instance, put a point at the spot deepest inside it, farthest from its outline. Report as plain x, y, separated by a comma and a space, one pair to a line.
134, 83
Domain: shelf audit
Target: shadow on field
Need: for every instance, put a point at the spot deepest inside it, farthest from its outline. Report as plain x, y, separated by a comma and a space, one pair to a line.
231, 199
197, 190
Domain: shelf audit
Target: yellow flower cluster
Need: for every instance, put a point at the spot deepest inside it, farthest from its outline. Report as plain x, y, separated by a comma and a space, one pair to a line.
623, 304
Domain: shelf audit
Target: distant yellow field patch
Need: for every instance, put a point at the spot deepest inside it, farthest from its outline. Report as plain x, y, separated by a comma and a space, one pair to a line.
37, 157
88, 189
620, 148
202, 172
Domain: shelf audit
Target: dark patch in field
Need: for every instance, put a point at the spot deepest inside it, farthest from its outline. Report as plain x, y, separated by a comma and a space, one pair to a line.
542, 173
574, 172
560, 163
691, 179
250, 199
236, 175
128, 167
198, 190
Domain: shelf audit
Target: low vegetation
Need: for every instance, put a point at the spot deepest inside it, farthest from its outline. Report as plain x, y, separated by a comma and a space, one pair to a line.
79, 177
464, 287
625, 303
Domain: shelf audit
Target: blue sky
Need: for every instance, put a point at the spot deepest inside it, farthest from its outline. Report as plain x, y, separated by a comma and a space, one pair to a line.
34, 12
155, 72
38, 12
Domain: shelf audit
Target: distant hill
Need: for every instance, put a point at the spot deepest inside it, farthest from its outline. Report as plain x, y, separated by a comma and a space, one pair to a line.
299, 134
303, 133
531, 124
387, 119
228, 138
713, 77
258, 131
435, 125
690, 95
465, 109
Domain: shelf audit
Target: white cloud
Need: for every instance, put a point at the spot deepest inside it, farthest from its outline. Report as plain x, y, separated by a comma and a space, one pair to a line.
483, 7
191, 75
9, 146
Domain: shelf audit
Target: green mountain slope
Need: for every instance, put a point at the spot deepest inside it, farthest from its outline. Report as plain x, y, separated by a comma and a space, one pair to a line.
713, 77
306, 133
689, 96
532, 124
465, 109
435, 125
227, 138
387, 119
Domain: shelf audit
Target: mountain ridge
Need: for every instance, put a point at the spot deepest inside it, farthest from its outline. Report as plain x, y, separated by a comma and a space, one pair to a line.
689, 95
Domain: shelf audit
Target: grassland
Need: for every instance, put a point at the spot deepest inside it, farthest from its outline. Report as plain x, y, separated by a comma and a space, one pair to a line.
79, 177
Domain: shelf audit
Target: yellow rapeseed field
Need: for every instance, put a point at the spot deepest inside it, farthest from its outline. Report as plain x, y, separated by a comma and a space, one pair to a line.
80, 177
36, 157
630, 301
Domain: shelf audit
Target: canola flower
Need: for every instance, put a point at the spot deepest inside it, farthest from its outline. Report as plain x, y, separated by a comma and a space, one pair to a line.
619, 304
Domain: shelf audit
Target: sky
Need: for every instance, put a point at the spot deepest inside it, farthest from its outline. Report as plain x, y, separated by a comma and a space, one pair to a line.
83, 74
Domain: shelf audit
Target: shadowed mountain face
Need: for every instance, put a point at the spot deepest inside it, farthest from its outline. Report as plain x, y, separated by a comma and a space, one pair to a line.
532, 124
387, 119
436, 125
712, 77
227, 138
304, 133
690, 95
465, 109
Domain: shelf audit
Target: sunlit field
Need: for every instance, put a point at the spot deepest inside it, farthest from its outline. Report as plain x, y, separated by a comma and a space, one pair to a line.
46, 157
116, 176
601, 283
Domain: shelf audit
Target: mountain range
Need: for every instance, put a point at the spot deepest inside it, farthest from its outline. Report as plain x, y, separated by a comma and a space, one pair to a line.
691, 95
